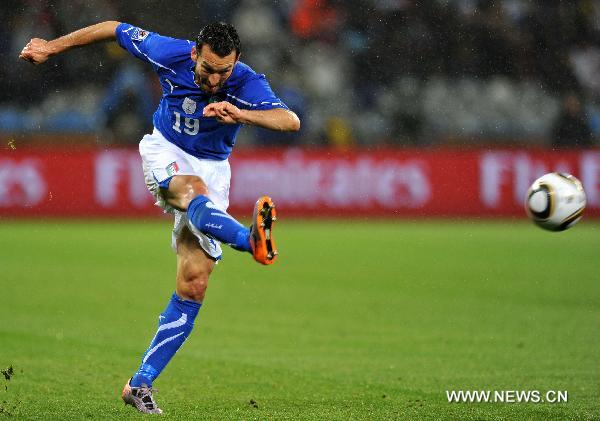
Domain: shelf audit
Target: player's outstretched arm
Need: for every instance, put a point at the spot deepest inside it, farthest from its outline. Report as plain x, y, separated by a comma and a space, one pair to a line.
38, 50
275, 119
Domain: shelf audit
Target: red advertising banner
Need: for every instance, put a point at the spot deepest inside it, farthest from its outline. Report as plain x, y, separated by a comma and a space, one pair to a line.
303, 183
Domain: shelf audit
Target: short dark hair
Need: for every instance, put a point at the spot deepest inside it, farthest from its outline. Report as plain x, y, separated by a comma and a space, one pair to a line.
221, 37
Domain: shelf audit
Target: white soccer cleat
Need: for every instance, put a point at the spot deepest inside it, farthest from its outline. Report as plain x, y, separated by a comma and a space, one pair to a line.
140, 398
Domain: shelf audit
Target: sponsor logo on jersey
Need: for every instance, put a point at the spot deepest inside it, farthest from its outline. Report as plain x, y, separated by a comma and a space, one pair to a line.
189, 105
139, 34
172, 168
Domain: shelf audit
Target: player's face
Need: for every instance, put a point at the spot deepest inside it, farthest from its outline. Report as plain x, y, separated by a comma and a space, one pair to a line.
212, 71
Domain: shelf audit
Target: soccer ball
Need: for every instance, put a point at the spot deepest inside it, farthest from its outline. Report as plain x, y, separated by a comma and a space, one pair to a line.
555, 201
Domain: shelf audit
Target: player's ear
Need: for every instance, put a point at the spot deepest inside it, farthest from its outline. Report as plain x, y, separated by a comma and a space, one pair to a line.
194, 54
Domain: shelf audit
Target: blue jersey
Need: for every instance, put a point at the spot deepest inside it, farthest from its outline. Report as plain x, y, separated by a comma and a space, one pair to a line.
179, 114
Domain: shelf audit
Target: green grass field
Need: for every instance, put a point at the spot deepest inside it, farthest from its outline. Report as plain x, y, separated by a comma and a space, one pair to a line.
356, 320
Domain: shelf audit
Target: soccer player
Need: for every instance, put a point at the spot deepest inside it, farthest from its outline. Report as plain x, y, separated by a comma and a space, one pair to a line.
208, 94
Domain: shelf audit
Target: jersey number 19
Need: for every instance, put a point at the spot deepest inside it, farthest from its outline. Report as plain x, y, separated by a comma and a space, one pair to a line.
191, 125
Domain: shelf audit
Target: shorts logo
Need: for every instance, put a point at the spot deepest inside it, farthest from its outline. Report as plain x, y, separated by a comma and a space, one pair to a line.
189, 105
212, 243
139, 34
172, 169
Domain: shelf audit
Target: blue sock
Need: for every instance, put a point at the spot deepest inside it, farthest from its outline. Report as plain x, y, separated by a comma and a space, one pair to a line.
210, 220
174, 326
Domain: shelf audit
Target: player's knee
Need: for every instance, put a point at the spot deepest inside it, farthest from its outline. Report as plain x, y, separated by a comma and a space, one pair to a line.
195, 281
194, 189
183, 189
197, 288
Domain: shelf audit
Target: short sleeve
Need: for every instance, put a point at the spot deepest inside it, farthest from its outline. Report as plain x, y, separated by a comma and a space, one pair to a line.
147, 46
258, 95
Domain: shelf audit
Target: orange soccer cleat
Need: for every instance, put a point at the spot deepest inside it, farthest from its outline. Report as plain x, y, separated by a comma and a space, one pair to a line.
261, 232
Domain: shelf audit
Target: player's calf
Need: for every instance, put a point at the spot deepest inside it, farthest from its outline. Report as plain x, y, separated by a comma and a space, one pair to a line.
258, 240
207, 218
175, 324
194, 267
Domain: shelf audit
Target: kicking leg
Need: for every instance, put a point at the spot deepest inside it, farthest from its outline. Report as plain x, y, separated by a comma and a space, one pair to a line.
190, 193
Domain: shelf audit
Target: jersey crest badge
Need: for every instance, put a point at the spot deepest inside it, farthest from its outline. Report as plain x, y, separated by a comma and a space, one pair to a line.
189, 105
139, 34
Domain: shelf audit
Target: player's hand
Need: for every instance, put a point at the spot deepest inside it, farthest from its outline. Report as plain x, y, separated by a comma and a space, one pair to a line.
36, 51
224, 112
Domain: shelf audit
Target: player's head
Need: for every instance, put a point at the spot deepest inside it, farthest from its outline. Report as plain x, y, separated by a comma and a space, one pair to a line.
217, 50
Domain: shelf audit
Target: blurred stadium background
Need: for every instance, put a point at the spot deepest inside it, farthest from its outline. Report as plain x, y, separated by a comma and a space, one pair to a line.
368, 78
417, 73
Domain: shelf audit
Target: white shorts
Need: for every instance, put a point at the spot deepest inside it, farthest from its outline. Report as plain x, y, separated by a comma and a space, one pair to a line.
161, 160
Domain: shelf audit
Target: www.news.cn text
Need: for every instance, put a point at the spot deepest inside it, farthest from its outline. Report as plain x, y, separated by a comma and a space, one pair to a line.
507, 396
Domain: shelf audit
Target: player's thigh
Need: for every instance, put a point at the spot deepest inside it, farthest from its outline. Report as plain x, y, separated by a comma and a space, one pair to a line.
170, 172
194, 267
